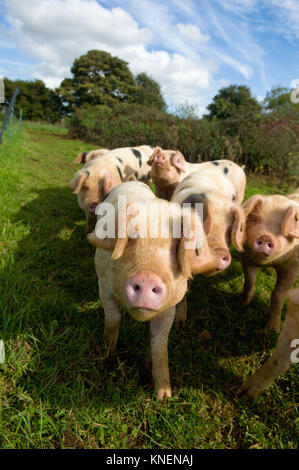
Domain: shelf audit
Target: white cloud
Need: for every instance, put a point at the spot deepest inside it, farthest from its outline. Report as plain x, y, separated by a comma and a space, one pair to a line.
189, 47
55, 32
288, 13
192, 33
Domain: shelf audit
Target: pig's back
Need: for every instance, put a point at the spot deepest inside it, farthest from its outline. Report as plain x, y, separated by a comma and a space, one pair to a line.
203, 182
133, 191
226, 169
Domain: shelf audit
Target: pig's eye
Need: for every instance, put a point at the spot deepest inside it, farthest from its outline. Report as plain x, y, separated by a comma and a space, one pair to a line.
84, 187
253, 218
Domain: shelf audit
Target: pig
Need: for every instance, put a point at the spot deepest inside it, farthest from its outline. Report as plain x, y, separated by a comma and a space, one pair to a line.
169, 168
271, 239
220, 188
94, 181
85, 157
282, 357
147, 276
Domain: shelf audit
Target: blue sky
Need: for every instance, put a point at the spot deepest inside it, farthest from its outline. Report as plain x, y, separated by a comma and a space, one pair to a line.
191, 47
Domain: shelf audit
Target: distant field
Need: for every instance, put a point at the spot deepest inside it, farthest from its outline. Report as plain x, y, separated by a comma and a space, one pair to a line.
56, 388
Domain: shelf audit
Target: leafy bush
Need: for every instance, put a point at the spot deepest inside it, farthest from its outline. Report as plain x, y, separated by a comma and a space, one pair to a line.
265, 143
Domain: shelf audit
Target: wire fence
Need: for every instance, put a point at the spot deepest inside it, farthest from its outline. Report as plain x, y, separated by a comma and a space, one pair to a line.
9, 116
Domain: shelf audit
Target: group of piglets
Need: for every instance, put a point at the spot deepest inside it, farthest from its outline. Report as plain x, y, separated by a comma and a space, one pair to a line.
148, 275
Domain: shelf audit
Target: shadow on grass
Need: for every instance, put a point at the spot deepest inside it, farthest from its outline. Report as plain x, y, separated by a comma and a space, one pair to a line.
52, 302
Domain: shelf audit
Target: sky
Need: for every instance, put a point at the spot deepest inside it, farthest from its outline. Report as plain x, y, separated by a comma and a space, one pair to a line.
192, 48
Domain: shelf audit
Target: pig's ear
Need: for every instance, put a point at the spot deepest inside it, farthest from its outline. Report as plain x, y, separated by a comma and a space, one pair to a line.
119, 247
81, 158
178, 160
156, 151
108, 183
105, 243
193, 252
290, 223
238, 228
76, 183
253, 203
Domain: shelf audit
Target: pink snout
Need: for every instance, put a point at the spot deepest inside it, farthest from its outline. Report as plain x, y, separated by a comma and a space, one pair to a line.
224, 259
145, 290
160, 159
92, 207
264, 245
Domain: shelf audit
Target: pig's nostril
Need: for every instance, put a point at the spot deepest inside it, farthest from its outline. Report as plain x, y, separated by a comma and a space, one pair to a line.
270, 245
136, 287
259, 242
156, 290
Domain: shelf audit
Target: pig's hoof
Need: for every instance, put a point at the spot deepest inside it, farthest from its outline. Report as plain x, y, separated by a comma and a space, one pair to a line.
273, 325
179, 322
245, 301
249, 389
163, 392
180, 318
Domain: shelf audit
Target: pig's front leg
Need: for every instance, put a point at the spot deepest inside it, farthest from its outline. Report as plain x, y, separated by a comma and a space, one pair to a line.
181, 313
284, 282
250, 271
279, 362
112, 318
159, 329
90, 223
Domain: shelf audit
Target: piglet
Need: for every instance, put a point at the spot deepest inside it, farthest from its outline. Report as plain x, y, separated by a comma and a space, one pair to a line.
99, 175
146, 273
220, 187
271, 239
169, 168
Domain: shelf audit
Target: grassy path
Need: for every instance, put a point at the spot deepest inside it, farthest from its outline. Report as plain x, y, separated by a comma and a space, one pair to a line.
56, 387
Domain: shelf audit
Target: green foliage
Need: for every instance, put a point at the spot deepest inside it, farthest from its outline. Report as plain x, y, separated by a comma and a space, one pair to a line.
148, 92
263, 144
233, 102
36, 100
97, 78
279, 100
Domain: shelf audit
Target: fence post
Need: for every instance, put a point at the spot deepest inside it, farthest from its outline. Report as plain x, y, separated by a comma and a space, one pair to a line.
20, 119
8, 112
10, 124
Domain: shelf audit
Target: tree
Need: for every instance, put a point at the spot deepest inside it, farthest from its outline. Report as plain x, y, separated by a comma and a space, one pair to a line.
233, 102
36, 100
148, 92
98, 78
279, 100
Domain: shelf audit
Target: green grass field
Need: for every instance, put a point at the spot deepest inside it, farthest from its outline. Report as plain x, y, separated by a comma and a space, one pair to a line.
57, 389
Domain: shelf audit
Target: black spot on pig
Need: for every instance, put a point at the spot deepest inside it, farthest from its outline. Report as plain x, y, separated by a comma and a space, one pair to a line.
119, 172
137, 155
198, 199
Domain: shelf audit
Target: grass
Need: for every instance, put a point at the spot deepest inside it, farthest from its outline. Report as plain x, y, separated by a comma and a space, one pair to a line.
57, 390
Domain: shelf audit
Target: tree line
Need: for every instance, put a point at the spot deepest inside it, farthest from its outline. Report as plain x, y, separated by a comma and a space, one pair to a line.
106, 104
